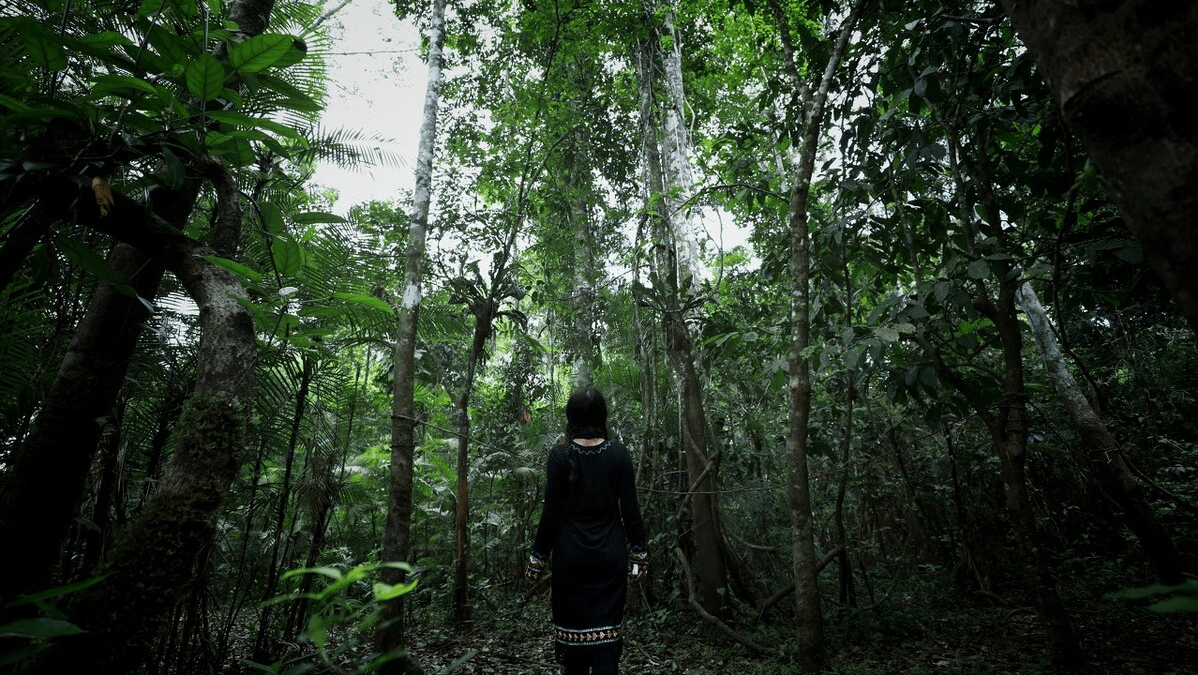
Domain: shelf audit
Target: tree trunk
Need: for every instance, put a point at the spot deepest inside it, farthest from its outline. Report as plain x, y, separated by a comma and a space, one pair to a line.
263, 647
1102, 450
1010, 440
156, 555
389, 636
1124, 75
809, 622
483, 318
668, 174
49, 471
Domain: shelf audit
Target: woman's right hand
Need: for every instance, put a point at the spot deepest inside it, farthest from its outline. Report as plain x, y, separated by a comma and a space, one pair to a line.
534, 569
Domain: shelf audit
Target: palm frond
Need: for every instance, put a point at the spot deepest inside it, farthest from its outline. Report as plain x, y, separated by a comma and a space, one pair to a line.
351, 149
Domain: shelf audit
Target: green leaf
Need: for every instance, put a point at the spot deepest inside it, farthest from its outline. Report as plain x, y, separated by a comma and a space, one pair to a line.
241, 119
383, 592
330, 572
39, 628
205, 77
365, 300
176, 172
272, 218
150, 8
317, 217
258, 52
57, 591
1181, 603
978, 269
86, 258
233, 148
234, 267
288, 256
121, 85
170, 45
44, 47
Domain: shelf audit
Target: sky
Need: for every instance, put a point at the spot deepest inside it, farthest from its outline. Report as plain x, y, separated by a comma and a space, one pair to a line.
377, 83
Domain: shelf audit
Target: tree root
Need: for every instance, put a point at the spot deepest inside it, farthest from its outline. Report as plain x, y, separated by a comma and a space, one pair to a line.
715, 621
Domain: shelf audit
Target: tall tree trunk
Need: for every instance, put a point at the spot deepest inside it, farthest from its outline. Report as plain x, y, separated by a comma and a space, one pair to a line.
848, 596
1124, 75
49, 471
483, 319
675, 271
389, 636
158, 552
1101, 448
809, 622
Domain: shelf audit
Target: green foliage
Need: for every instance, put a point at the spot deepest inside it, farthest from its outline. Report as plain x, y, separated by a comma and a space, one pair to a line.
338, 618
1180, 598
26, 637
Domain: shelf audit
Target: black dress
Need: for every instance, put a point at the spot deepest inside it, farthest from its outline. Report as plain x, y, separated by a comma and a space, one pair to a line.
590, 520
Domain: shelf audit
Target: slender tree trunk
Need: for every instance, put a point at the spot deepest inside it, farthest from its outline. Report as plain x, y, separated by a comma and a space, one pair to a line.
848, 596
263, 649
1011, 443
1124, 75
1102, 450
483, 319
809, 623
389, 636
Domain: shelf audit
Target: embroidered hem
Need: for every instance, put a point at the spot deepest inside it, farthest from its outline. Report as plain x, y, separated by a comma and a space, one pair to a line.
591, 636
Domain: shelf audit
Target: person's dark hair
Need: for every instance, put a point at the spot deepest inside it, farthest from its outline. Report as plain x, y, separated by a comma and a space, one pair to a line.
586, 414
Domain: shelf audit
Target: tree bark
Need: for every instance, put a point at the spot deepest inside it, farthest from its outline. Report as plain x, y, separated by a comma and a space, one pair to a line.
675, 272
1102, 450
156, 555
389, 636
49, 471
809, 622
1124, 75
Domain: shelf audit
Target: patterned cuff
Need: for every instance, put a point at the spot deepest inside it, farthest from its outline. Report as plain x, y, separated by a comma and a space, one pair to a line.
535, 567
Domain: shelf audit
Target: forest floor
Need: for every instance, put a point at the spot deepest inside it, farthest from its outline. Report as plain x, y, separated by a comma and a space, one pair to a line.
1117, 638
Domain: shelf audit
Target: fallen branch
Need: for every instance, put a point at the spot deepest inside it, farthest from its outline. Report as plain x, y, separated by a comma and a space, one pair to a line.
715, 621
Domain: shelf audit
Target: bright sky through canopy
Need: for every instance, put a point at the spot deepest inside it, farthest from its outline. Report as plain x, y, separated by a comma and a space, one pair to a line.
376, 86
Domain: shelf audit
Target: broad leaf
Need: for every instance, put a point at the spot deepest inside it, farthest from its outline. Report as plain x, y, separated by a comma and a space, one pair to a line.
39, 628
205, 77
258, 52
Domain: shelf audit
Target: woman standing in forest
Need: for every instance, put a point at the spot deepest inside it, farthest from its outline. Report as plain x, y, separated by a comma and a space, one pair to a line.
591, 523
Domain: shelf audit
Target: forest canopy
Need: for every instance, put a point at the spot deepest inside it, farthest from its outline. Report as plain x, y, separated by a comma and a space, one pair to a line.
935, 412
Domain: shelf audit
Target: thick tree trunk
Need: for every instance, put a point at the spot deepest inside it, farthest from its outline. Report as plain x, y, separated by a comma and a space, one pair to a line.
1102, 450
49, 471
389, 636
48, 474
674, 274
1124, 75
156, 555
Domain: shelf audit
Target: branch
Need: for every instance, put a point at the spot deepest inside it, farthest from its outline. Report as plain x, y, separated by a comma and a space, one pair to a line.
819, 567
724, 628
